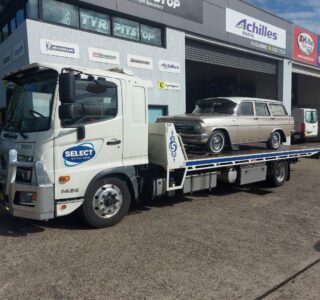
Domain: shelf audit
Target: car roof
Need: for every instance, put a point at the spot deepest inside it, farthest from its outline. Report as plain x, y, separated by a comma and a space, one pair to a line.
239, 99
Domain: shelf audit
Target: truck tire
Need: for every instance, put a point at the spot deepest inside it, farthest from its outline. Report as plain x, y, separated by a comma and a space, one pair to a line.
106, 203
279, 173
275, 141
216, 142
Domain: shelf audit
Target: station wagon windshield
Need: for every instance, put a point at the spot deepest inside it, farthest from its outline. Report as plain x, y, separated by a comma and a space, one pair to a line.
215, 106
31, 102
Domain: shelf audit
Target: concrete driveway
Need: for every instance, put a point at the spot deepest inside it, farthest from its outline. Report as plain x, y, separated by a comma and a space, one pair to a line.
236, 243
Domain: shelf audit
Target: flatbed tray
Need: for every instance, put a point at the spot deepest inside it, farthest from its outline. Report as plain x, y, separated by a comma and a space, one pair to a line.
198, 158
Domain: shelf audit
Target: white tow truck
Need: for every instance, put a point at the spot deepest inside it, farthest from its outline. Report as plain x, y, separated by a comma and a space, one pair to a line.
79, 139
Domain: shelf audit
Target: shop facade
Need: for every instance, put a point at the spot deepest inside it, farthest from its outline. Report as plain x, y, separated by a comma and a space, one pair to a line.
189, 49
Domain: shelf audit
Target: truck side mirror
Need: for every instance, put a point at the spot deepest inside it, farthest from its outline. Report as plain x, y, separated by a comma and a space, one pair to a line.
70, 113
67, 87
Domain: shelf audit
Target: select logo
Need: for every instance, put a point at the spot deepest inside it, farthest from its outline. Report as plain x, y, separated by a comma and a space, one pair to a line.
77, 155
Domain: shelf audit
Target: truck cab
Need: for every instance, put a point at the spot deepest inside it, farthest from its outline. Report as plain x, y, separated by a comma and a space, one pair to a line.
66, 129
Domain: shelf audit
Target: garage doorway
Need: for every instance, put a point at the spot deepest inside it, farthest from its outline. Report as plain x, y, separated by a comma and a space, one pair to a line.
213, 71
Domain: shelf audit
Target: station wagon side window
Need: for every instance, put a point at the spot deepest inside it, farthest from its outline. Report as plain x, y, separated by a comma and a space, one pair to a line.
246, 109
278, 110
262, 110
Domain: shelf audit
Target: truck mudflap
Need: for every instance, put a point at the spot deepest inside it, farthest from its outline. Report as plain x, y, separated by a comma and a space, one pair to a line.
30, 201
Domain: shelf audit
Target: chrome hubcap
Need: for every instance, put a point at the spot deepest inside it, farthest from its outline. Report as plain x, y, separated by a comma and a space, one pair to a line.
281, 172
217, 142
276, 140
107, 201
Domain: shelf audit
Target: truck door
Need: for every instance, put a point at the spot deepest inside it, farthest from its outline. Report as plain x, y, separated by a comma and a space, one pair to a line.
247, 123
102, 146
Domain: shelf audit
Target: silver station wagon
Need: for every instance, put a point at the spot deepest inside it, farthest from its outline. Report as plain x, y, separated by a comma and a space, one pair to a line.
220, 122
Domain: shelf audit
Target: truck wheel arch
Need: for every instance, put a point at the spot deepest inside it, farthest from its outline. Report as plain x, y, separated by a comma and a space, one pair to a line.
127, 174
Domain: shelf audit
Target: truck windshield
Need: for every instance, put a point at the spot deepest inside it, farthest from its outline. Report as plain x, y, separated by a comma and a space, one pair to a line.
311, 117
30, 106
215, 106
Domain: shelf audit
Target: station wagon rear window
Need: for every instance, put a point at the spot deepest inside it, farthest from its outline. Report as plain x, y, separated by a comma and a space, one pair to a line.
278, 110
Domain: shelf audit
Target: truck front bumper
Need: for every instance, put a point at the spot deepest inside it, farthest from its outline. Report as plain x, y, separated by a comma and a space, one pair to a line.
42, 208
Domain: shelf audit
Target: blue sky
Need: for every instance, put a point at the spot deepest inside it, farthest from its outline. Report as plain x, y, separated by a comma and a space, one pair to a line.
305, 13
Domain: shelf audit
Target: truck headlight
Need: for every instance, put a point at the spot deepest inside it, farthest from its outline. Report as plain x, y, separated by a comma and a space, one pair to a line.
197, 127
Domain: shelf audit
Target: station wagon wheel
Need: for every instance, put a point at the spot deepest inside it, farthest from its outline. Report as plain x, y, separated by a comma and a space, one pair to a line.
275, 140
106, 203
216, 142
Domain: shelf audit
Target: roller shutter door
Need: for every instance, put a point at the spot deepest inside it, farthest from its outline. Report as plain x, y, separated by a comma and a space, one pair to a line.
305, 71
206, 53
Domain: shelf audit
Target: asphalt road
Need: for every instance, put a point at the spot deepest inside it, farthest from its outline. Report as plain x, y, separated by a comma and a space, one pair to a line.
236, 243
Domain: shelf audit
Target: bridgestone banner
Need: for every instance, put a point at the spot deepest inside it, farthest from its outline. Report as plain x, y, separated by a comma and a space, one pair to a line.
187, 9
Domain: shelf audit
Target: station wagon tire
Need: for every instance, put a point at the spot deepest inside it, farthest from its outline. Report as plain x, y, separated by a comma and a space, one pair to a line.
216, 142
279, 174
275, 141
106, 203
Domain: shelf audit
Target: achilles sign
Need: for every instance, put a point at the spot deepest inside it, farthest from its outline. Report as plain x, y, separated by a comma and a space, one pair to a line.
188, 9
254, 29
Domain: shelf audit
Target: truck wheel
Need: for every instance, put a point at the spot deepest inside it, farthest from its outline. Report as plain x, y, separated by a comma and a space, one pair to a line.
275, 141
279, 174
216, 142
106, 203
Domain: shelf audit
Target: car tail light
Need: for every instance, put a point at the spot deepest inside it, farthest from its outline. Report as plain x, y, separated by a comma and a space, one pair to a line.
303, 127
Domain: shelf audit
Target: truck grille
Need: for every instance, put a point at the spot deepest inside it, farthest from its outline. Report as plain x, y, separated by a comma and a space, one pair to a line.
184, 128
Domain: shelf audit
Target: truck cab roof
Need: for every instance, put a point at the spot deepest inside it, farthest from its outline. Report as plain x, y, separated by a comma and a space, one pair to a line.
112, 73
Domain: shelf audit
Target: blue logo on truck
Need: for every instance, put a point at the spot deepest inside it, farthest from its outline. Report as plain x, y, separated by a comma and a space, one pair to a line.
79, 154
173, 146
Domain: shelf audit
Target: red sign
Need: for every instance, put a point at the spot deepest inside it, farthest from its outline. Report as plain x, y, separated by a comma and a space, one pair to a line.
305, 46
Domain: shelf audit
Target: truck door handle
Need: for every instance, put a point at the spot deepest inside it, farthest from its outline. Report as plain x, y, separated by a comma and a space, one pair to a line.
114, 142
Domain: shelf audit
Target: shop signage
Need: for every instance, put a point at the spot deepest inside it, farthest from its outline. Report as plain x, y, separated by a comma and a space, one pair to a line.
6, 60
254, 29
169, 66
57, 48
305, 46
94, 21
187, 9
18, 51
126, 29
139, 62
104, 56
163, 85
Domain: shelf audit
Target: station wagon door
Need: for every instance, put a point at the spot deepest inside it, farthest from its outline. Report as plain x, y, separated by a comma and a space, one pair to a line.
265, 121
247, 123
